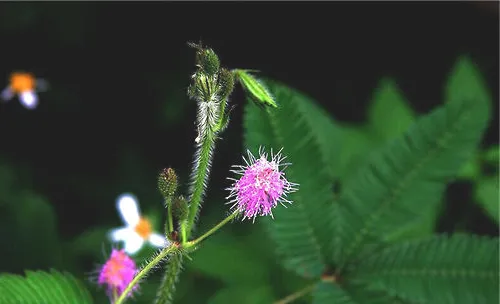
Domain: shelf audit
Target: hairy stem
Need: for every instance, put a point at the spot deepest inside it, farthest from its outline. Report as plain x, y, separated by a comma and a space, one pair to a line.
200, 175
166, 291
211, 231
144, 271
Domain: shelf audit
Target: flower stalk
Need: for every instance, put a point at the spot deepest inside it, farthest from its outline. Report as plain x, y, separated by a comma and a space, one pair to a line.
167, 185
195, 242
145, 270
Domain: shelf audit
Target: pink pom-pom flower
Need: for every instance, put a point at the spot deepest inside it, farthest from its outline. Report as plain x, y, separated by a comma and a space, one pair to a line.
118, 271
262, 185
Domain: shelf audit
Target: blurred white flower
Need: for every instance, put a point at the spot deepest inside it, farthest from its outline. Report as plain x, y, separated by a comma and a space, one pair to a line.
25, 85
137, 230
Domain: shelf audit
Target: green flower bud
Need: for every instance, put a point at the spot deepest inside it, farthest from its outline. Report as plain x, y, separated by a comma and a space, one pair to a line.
206, 59
226, 83
256, 89
180, 208
209, 62
167, 182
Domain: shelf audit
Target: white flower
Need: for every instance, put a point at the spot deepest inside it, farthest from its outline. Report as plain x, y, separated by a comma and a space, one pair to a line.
137, 229
25, 85
28, 99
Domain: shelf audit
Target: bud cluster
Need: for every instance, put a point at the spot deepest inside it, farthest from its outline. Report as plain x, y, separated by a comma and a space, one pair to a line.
177, 206
211, 88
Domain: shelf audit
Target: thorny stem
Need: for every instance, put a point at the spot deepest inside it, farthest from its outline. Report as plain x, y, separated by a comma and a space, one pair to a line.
145, 271
211, 231
294, 296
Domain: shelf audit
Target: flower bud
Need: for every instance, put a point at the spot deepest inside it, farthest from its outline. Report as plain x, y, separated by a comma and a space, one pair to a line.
206, 59
180, 208
209, 62
226, 83
255, 88
167, 183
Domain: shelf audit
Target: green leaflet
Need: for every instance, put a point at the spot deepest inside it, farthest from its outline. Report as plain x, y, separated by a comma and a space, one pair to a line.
328, 292
42, 287
301, 231
465, 83
441, 270
348, 293
389, 114
256, 88
408, 175
486, 194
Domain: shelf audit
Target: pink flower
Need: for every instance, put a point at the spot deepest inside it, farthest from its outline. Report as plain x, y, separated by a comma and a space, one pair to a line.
117, 272
261, 187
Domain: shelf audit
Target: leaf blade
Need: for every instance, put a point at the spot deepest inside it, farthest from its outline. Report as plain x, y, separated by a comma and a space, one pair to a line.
43, 287
408, 176
457, 269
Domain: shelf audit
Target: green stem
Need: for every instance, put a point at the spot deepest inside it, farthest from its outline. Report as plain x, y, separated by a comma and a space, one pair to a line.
145, 271
114, 295
211, 231
203, 160
294, 296
169, 216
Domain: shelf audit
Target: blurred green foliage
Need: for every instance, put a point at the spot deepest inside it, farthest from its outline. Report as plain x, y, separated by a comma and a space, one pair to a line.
239, 261
375, 238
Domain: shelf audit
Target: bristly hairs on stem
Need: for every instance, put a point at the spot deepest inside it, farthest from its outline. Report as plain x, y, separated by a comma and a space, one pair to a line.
211, 88
165, 293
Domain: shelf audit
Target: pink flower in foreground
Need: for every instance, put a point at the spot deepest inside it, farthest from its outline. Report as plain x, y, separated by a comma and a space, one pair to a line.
261, 186
117, 272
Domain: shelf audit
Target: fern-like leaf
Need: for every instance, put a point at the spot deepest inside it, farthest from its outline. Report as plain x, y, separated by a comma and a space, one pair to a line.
357, 293
42, 287
438, 270
301, 231
408, 176
329, 292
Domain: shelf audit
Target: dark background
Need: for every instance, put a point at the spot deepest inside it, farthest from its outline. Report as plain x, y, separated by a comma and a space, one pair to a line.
117, 111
